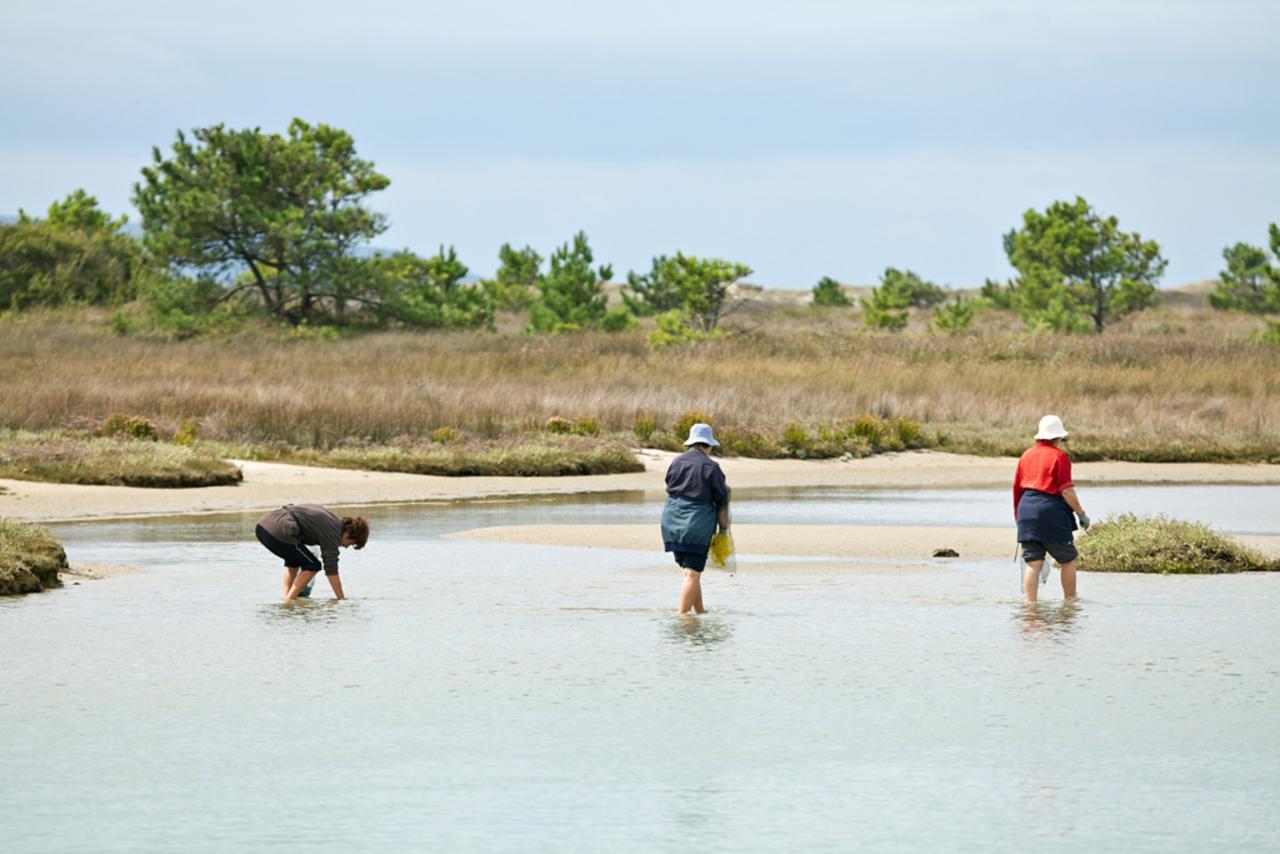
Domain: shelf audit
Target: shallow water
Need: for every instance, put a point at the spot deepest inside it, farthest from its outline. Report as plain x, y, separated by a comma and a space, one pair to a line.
477, 695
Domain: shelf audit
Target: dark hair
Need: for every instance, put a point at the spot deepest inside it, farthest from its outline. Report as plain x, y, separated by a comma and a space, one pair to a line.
357, 529
701, 445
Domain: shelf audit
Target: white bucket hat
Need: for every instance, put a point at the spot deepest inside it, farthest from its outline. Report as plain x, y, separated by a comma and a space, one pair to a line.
700, 434
1051, 428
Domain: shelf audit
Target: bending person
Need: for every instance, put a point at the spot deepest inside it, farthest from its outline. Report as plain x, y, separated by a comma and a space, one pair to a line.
1044, 497
288, 531
697, 502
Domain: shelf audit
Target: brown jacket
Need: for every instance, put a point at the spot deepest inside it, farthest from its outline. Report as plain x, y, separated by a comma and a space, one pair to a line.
310, 525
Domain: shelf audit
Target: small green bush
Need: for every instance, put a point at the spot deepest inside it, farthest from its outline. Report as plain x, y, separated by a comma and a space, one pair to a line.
867, 427
749, 442
795, 439
1129, 543
445, 436
133, 426
560, 426
643, 428
187, 432
909, 432
618, 319
586, 427
686, 420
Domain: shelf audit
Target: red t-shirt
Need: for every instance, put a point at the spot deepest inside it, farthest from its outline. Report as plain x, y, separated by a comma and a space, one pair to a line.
1043, 468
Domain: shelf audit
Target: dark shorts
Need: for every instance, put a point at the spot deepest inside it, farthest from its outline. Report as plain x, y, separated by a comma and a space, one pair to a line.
1033, 550
293, 555
691, 560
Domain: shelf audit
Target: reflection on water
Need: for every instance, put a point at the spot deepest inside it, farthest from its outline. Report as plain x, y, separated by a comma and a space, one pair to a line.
699, 631
1054, 621
310, 612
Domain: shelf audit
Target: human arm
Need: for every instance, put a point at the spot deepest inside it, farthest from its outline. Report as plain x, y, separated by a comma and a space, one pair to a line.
1073, 501
720, 495
1068, 490
1017, 489
335, 581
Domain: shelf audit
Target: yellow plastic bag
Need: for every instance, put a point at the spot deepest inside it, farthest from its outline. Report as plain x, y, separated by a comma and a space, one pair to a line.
721, 553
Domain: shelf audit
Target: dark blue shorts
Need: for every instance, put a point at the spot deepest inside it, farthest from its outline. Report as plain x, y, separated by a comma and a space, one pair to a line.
293, 555
1033, 550
691, 560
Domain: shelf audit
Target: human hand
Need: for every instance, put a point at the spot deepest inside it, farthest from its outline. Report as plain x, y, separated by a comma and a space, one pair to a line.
1084, 520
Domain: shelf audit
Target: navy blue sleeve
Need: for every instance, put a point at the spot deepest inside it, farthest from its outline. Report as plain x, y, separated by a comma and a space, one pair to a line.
719, 489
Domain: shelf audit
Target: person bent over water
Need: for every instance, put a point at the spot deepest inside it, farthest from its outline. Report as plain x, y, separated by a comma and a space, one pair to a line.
1044, 496
697, 502
288, 531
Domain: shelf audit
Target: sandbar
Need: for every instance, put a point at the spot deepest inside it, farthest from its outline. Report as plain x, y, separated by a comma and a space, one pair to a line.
862, 542
268, 485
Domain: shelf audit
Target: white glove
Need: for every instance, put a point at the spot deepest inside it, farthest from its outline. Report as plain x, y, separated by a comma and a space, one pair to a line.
1084, 520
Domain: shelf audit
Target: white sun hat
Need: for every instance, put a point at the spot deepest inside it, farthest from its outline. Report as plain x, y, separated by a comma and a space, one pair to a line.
700, 434
1051, 428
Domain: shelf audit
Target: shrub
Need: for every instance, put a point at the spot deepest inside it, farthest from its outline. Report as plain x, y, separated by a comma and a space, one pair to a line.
186, 434
618, 319
1129, 543
558, 425
686, 421
1270, 335
748, 442
828, 292
643, 428
676, 328
445, 436
955, 316
909, 432
868, 428
586, 427
795, 439
133, 426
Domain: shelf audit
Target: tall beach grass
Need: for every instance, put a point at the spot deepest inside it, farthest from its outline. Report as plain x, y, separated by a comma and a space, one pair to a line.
1177, 389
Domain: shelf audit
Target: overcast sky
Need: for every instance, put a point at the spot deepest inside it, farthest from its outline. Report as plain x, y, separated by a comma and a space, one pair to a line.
803, 138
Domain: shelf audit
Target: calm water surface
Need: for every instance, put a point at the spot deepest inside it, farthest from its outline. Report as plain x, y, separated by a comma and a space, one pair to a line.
481, 696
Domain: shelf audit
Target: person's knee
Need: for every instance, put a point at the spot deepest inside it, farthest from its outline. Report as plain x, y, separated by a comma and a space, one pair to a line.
692, 575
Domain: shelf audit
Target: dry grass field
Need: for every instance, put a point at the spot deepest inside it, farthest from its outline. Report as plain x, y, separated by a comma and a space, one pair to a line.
1176, 382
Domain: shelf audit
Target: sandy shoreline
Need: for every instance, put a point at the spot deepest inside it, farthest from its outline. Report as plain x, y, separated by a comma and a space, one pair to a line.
864, 542
268, 485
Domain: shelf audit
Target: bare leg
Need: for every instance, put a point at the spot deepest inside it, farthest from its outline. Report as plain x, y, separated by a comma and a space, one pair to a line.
1031, 579
299, 582
1068, 579
290, 572
691, 593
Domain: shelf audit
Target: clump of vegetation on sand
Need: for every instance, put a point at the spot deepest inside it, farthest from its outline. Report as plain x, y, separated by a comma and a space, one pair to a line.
30, 559
542, 457
1129, 543
60, 457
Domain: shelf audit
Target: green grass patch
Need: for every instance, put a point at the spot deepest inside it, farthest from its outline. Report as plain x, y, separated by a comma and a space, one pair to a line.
1128, 543
110, 461
30, 559
544, 456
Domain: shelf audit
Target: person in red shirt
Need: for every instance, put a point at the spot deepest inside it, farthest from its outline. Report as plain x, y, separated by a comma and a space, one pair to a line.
1044, 498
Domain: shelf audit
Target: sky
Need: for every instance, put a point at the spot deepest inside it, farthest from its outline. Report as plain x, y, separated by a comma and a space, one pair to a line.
804, 138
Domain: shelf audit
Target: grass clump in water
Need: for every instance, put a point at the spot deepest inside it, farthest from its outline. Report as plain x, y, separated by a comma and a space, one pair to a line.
30, 559
110, 461
1129, 543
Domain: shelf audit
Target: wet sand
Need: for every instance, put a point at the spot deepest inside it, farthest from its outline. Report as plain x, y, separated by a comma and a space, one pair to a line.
268, 485
863, 542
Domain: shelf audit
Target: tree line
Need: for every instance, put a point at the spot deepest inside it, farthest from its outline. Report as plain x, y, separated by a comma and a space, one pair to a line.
239, 222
